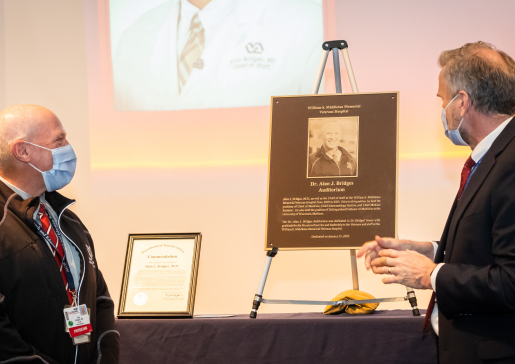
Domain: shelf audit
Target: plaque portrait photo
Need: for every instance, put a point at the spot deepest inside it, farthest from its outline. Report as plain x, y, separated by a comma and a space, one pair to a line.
333, 147
160, 275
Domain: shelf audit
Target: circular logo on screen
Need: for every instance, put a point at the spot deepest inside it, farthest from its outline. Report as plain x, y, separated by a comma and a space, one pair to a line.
140, 298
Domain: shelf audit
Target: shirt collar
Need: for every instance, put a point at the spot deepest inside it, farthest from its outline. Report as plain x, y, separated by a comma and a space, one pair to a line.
212, 15
331, 155
19, 191
215, 13
485, 144
188, 11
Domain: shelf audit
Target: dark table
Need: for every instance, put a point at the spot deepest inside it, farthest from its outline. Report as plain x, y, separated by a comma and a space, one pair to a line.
382, 337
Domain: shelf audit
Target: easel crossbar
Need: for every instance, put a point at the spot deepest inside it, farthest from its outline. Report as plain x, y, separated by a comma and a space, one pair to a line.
333, 303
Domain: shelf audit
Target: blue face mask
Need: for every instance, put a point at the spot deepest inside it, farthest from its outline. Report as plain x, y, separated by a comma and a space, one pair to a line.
453, 135
63, 169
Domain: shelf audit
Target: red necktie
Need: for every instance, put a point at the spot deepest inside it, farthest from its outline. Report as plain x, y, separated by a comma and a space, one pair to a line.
429, 311
47, 227
465, 173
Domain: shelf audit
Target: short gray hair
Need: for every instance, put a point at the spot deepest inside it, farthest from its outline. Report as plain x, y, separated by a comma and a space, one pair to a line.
489, 83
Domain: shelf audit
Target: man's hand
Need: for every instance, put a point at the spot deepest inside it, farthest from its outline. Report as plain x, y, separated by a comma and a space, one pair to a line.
408, 262
408, 267
370, 250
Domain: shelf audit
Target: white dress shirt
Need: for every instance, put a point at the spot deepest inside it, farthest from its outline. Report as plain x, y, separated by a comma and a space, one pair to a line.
476, 155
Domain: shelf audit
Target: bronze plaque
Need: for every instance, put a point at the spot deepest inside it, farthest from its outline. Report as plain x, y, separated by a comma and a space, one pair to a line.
332, 180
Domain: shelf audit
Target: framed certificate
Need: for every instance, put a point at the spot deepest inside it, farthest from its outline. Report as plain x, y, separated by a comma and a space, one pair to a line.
160, 275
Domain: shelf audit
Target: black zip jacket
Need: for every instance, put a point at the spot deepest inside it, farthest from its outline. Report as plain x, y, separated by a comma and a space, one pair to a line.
32, 292
321, 165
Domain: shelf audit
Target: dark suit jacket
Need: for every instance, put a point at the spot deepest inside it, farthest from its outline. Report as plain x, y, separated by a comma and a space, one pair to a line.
475, 289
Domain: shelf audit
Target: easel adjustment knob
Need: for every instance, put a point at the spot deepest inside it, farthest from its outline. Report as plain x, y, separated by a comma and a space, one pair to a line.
340, 44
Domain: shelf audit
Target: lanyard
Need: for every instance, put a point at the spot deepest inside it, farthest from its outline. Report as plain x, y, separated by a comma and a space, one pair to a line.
69, 276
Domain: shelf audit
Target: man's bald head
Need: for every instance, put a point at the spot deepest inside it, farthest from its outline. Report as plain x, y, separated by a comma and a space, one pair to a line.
502, 61
21, 122
486, 74
483, 50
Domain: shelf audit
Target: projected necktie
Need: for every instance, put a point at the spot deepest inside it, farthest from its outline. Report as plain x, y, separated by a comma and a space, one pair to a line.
465, 173
59, 257
191, 52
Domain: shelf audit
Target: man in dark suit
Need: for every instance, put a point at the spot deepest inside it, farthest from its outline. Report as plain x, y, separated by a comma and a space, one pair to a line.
471, 270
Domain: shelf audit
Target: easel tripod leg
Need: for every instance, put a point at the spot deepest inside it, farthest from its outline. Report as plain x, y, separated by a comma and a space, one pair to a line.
354, 267
413, 301
350, 72
320, 73
337, 76
259, 295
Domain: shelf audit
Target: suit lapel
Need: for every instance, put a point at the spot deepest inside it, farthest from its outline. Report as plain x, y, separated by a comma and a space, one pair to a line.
439, 256
476, 181
473, 186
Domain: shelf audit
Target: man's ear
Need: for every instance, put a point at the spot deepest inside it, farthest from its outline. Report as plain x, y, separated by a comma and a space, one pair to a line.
465, 102
19, 151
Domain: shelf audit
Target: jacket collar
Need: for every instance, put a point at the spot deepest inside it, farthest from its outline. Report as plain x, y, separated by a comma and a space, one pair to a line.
322, 153
24, 209
17, 205
477, 180
58, 201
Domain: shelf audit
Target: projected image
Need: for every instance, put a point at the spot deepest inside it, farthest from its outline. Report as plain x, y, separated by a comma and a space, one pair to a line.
333, 147
193, 54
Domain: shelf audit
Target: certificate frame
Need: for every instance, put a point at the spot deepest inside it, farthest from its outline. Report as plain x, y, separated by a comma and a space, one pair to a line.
187, 270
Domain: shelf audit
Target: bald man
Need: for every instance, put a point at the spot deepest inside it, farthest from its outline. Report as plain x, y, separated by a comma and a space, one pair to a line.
47, 261
331, 159
471, 270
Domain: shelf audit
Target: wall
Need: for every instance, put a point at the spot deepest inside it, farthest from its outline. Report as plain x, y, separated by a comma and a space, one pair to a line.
2, 56
393, 46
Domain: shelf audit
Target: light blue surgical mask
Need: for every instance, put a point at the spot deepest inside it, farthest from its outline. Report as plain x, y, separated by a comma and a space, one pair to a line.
63, 169
453, 135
